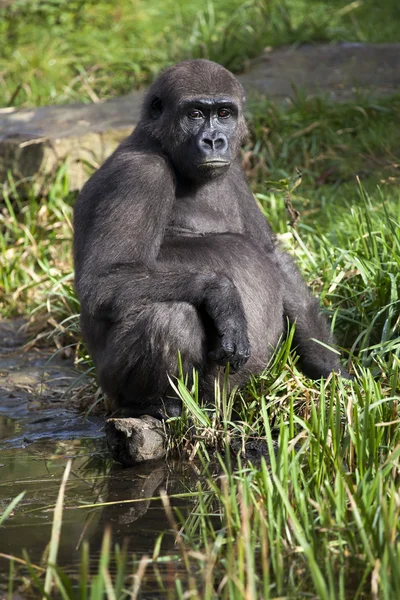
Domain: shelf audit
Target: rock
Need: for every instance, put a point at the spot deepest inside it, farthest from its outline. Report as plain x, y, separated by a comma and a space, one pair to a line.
34, 143
339, 70
133, 441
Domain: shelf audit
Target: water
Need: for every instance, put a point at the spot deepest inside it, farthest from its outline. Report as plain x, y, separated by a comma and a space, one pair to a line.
37, 470
39, 432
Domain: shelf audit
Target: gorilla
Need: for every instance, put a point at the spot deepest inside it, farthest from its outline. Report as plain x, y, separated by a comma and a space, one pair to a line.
172, 254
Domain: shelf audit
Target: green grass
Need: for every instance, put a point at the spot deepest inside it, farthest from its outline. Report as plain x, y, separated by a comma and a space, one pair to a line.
320, 519
35, 245
58, 51
331, 143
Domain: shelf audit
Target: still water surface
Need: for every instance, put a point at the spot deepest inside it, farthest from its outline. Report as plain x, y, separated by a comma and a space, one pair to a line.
36, 467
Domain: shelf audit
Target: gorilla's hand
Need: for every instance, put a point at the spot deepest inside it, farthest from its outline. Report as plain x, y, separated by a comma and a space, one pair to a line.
234, 348
232, 329
224, 305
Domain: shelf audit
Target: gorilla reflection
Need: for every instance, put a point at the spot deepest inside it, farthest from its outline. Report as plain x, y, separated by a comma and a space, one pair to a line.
173, 254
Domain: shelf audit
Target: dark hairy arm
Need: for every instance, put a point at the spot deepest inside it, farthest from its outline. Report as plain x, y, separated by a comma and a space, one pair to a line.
311, 327
121, 214
300, 306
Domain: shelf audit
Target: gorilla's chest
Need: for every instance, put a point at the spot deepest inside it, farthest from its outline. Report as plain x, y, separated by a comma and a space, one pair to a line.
207, 211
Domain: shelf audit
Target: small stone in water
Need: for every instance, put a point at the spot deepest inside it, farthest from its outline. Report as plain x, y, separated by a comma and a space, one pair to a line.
133, 441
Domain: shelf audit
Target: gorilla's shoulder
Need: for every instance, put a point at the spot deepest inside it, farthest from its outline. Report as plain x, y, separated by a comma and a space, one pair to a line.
149, 158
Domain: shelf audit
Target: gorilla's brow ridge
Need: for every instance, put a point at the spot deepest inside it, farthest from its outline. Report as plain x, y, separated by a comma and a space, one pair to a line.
210, 100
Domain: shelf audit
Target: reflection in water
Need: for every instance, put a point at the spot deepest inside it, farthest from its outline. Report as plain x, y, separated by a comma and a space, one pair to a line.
9, 428
94, 479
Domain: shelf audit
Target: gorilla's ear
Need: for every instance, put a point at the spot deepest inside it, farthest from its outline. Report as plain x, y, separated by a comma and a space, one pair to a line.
156, 108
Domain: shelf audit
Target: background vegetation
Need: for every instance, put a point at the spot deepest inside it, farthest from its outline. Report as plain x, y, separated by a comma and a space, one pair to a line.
322, 518
57, 51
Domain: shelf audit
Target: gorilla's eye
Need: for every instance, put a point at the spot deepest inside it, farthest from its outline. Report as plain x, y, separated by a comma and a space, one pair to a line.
195, 114
224, 113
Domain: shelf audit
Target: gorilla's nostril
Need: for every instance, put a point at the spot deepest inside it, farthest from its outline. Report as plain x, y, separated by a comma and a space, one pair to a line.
208, 143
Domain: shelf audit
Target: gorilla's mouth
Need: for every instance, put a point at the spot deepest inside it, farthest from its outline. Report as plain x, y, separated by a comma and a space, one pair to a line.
214, 162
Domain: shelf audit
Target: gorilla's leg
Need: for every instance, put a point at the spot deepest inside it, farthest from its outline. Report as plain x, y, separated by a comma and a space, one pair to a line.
142, 351
311, 327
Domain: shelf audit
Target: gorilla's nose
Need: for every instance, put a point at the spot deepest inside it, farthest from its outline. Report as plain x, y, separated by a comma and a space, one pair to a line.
213, 144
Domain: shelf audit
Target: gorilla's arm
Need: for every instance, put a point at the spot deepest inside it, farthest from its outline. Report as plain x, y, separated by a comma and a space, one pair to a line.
129, 288
124, 208
300, 307
121, 214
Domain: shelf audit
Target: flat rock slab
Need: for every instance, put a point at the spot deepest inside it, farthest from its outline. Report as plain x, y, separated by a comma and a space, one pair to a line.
34, 143
338, 70
132, 441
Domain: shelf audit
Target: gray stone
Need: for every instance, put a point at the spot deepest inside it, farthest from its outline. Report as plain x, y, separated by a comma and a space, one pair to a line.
33, 143
338, 70
133, 441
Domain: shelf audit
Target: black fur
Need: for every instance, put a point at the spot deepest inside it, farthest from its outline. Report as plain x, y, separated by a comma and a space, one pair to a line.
172, 253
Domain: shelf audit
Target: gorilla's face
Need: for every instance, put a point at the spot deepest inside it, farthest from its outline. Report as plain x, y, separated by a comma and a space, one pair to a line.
194, 112
207, 131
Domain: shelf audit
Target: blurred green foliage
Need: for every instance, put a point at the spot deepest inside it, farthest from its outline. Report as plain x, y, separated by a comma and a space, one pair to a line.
57, 51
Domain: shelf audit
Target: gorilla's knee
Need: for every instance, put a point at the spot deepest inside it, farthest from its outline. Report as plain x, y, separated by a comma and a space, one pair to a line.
160, 334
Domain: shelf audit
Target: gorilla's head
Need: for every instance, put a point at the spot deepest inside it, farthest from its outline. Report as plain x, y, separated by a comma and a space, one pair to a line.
194, 111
